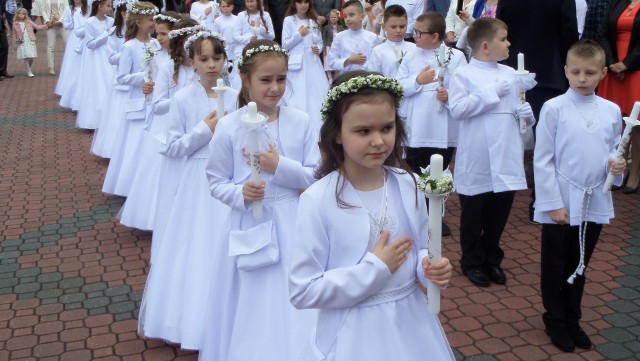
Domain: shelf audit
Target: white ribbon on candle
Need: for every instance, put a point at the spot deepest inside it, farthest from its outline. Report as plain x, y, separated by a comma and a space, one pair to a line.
220, 89
435, 232
522, 98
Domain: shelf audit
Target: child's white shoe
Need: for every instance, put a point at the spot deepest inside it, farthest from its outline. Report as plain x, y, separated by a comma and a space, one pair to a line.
30, 75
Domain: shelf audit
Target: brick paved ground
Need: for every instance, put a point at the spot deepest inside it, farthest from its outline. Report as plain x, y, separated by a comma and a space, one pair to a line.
71, 277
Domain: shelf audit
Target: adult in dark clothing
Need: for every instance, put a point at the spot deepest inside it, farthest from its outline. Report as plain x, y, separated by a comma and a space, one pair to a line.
543, 30
4, 45
277, 10
441, 6
596, 11
323, 7
27, 4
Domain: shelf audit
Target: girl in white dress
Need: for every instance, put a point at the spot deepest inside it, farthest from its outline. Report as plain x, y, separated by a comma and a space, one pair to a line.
185, 268
205, 13
365, 235
73, 21
133, 71
251, 318
302, 38
168, 82
24, 39
251, 24
95, 77
104, 136
139, 209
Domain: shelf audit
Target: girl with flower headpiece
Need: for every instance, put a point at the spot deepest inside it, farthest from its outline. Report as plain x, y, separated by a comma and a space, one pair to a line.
139, 210
185, 264
365, 235
105, 136
94, 72
302, 38
252, 24
73, 20
135, 63
258, 322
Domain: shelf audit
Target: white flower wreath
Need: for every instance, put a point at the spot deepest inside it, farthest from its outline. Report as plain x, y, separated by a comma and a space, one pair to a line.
202, 34
133, 9
430, 186
185, 31
261, 49
353, 85
162, 17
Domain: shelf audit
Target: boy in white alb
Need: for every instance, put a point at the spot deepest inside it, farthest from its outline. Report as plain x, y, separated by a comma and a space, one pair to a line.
225, 25
483, 96
425, 104
351, 48
387, 57
414, 9
577, 136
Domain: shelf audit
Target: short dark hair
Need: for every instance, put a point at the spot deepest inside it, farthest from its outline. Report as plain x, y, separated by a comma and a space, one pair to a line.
484, 29
394, 11
436, 23
587, 49
355, 3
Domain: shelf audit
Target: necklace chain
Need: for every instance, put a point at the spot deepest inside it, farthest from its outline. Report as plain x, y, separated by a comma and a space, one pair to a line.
589, 121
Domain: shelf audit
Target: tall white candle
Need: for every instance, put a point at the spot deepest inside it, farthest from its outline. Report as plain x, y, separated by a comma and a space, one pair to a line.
442, 52
220, 89
252, 119
631, 121
435, 232
520, 62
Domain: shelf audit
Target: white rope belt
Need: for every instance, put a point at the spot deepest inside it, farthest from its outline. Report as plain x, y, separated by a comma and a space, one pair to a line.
582, 230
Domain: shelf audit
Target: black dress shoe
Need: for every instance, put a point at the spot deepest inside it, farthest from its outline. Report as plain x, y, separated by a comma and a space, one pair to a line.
477, 277
496, 274
580, 338
8, 76
561, 338
630, 190
446, 231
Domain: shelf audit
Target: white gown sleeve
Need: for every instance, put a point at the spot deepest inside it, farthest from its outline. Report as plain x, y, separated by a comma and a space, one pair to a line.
335, 61
125, 65
290, 35
163, 81
548, 196
67, 19
463, 104
182, 142
311, 285
97, 36
294, 174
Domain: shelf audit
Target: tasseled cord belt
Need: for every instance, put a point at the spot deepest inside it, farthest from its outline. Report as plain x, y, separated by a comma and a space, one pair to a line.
586, 198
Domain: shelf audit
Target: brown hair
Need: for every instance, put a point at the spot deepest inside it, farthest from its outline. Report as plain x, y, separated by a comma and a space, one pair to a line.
84, 7
333, 154
394, 11
355, 3
228, 2
587, 49
311, 12
484, 29
435, 21
118, 19
176, 45
132, 27
248, 66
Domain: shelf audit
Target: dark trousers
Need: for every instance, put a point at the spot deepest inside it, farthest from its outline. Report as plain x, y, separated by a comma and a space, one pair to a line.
421, 157
560, 257
4, 52
482, 221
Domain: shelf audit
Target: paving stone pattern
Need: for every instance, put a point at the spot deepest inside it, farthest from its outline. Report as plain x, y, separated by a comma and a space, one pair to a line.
71, 277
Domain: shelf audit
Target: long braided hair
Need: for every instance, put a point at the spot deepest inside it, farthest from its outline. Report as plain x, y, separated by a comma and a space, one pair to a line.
176, 46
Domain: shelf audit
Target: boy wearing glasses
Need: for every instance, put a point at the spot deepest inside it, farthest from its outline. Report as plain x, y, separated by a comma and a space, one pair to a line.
425, 104
484, 98
351, 49
387, 57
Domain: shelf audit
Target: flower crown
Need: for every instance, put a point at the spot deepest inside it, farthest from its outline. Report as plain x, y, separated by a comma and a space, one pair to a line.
353, 85
202, 34
185, 31
162, 17
260, 49
117, 3
133, 9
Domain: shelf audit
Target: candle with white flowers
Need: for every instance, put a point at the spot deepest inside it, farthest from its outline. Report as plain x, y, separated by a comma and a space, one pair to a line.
252, 120
522, 98
631, 122
220, 89
436, 186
